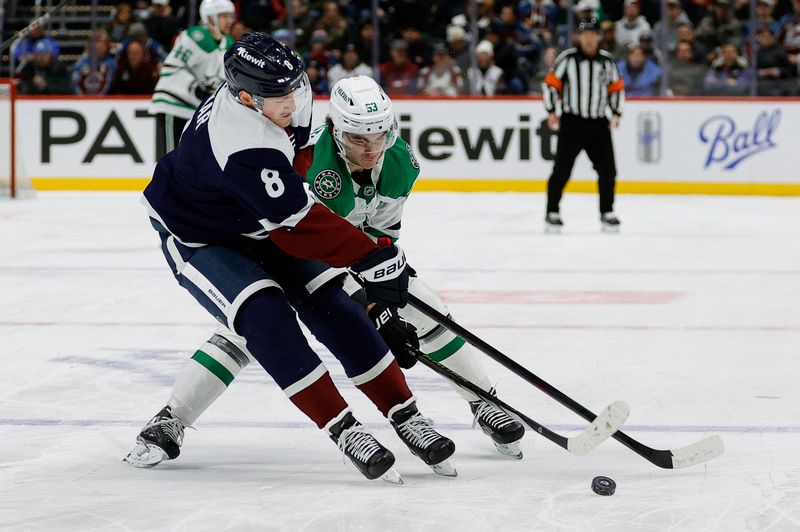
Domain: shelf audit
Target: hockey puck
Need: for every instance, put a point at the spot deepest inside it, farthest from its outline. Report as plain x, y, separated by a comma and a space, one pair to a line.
603, 486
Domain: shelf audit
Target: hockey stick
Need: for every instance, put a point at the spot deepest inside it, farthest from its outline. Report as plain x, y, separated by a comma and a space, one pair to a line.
21, 34
696, 453
599, 430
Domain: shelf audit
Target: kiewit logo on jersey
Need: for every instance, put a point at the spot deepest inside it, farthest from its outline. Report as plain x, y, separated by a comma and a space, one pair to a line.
241, 52
327, 184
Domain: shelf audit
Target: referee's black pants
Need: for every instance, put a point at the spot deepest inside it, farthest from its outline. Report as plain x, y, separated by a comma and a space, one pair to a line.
168, 132
594, 136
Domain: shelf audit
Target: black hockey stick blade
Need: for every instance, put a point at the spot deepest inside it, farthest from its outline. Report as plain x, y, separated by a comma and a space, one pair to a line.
693, 454
604, 425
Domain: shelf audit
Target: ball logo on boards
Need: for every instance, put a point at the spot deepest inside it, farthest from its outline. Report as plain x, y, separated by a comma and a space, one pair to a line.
327, 184
648, 137
729, 144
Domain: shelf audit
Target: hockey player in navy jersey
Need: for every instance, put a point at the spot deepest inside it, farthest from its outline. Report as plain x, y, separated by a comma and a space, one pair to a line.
242, 232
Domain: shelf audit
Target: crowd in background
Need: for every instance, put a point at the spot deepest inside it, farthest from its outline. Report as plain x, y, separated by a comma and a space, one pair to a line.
425, 47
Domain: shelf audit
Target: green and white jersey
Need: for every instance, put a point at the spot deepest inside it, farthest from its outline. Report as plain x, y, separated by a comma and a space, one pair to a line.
196, 57
377, 207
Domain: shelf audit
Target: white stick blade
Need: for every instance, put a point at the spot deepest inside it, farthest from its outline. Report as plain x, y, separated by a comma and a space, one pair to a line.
603, 427
698, 452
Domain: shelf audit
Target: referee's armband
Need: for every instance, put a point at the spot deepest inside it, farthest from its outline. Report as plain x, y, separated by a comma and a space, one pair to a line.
616, 86
552, 80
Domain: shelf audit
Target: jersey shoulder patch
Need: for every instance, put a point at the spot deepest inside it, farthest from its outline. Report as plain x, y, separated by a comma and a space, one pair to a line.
203, 38
328, 177
400, 170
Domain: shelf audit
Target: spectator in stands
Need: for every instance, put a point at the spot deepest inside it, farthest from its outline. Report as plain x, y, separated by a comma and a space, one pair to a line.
239, 28
154, 52
487, 78
262, 15
160, 23
23, 51
675, 17
459, 46
539, 15
443, 77
608, 40
88, 79
319, 84
640, 74
364, 41
319, 53
334, 24
548, 60
774, 68
764, 17
121, 19
647, 44
303, 23
685, 74
719, 27
43, 73
685, 33
631, 26
790, 20
351, 65
134, 74
398, 75
729, 74
419, 49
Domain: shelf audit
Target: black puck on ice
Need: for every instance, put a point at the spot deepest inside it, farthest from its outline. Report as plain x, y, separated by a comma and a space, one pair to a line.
603, 486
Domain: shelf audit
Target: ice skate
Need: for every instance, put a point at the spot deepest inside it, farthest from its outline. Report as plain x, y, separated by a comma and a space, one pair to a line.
422, 440
159, 440
367, 454
504, 430
553, 223
609, 222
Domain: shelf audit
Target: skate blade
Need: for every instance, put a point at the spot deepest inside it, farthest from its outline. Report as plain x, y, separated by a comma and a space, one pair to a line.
613, 229
445, 469
511, 450
553, 229
392, 477
145, 456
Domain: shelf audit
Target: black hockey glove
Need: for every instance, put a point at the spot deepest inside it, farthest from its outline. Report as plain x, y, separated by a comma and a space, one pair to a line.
202, 90
384, 276
399, 335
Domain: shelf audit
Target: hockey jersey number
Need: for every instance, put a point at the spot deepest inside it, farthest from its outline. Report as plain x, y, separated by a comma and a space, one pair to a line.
273, 183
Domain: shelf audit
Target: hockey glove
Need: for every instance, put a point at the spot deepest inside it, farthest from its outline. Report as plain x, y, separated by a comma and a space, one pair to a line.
201, 90
399, 335
384, 276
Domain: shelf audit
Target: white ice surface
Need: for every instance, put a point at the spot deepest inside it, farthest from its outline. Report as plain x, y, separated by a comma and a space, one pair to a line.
690, 315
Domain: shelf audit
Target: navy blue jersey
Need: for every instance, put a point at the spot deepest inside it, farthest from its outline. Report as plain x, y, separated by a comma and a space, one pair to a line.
231, 178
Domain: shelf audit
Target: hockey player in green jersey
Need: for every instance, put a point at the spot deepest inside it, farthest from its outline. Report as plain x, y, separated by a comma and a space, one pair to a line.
192, 71
357, 166
363, 172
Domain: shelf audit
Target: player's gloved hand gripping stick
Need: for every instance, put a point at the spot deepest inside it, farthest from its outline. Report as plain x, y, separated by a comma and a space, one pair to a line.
696, 453
384, 276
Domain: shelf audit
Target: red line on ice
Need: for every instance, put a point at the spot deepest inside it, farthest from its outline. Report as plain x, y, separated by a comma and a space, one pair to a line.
561, 297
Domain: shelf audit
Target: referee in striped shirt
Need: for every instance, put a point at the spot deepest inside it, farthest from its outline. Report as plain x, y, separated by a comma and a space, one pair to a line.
586, 81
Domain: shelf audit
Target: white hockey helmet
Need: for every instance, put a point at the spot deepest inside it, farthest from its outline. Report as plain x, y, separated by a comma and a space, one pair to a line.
358, 106
212, 9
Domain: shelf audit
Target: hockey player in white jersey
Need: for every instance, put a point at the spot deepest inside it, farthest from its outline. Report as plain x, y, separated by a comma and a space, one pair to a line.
364, 177
191, 72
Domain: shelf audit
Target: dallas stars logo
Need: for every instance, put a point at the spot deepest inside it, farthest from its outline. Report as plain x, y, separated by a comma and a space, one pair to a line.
327, 184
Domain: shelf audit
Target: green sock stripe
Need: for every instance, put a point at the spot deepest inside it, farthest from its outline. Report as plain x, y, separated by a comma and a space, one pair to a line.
220, 371
446, 351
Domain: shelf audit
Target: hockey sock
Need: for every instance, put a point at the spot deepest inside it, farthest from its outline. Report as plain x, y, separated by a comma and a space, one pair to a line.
466, 363
384, 384
275, 340
212, 368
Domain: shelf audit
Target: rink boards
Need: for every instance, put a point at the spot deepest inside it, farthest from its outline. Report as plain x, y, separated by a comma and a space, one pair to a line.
733, 146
